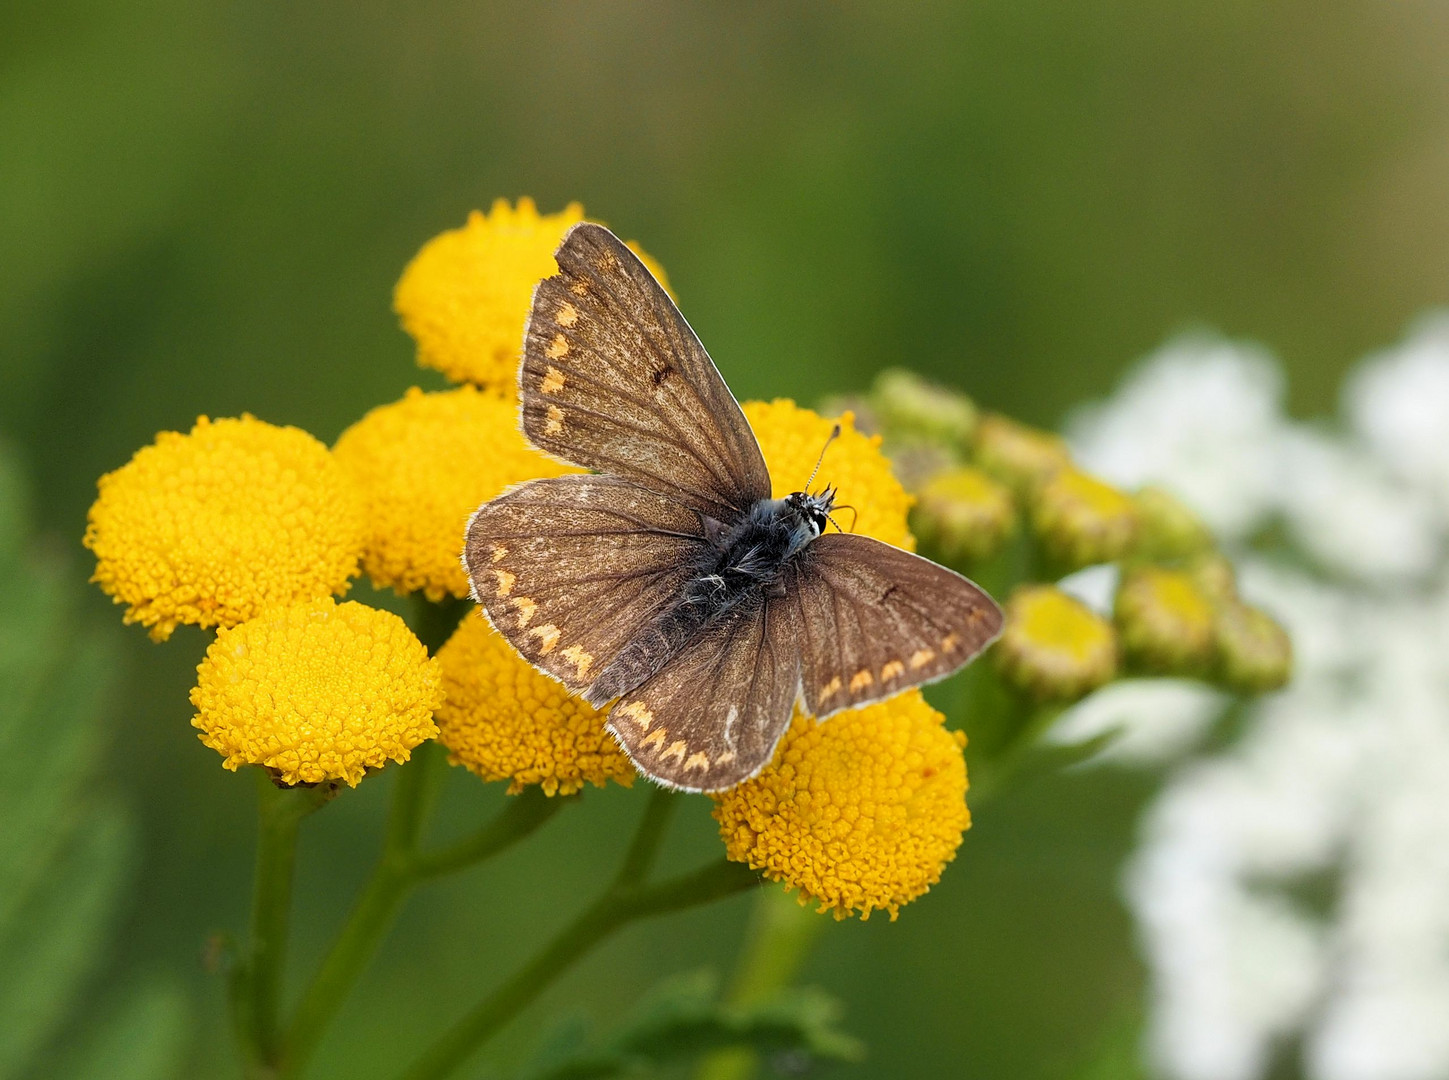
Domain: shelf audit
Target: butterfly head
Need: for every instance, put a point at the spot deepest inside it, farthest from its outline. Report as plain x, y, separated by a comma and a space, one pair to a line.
813, 510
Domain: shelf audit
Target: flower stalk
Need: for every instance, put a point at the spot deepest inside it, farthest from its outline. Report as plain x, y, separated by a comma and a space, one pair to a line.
257, 985
627, 899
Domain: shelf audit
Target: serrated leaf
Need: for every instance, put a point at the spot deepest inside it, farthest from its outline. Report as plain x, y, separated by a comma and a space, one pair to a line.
141, 1037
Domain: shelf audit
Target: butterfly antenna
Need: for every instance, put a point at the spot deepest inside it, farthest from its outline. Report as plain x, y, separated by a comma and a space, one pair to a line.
834, 434
854, 517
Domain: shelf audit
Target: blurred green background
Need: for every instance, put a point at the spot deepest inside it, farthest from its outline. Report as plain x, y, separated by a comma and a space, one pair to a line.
203, 209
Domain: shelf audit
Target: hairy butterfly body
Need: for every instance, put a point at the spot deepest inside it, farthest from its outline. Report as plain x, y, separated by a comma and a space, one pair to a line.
670, 580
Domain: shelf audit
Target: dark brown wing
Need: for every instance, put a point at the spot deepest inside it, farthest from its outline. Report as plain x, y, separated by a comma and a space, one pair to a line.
614, 379
571, 568
875, 620
712, 716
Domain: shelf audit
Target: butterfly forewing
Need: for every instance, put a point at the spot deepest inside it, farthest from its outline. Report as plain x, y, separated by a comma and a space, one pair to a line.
875, 620
572, 568
614, 379
711, 717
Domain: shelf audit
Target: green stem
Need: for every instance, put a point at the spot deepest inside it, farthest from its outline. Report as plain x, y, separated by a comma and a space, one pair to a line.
779, 938
398, 871
619, 905
258, 986
644, 848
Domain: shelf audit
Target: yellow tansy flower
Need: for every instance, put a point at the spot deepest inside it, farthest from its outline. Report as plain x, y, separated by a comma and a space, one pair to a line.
1018, 455
317, 691
211, 527
506, 721
1054, 648
465, 296
424, 464
860, 813
792, 438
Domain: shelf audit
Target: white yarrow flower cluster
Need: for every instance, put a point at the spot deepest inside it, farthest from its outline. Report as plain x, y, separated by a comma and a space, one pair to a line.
1296, 885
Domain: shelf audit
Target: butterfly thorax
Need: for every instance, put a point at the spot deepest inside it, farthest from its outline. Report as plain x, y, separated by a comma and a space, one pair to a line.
739, 567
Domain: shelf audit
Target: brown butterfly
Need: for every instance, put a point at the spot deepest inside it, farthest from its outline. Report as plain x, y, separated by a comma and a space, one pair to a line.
670, 579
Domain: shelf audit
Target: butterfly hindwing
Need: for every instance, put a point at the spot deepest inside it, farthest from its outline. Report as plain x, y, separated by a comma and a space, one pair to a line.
614, 379
712, 716
875, 620
572, 568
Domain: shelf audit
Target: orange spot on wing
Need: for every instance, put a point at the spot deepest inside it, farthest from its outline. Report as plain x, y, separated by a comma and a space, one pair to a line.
676, 749
949, 643
567, 314
698, 760
921, 657
654, 741
892, 670
831, 688
638, 712
526, 609
725, 758
579, 288
553, 380
558, 348
580, 659
499, 551
554, 425
547, 635
505, 582
861, 679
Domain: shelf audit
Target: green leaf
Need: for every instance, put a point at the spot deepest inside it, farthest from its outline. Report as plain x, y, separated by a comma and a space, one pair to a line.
683, 1018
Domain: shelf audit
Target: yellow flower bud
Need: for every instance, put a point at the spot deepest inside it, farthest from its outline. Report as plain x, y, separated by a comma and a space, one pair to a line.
1166, 622
964, 515
316, 692
1054, 648
1081, 521
860, 813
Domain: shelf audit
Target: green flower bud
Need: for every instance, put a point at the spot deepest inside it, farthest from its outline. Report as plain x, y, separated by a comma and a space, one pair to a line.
916, 464
1255, 654
1021, 457
1167, 528
1166, 621
1082, 521
909, 407
1214, 575
963, 514
1054, 648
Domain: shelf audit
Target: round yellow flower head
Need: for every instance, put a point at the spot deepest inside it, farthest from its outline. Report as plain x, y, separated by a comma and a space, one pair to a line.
792, 438
317, 691
860, 813
424, 464
1054, 648
211, 527
506, 721
465, 296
